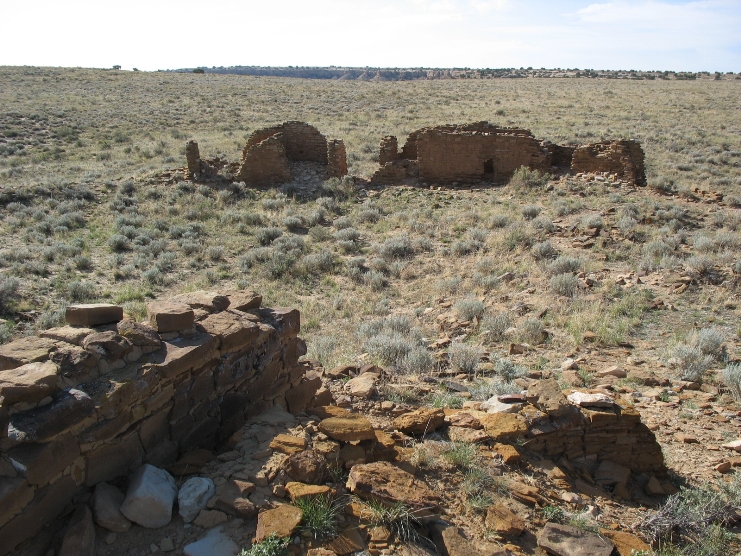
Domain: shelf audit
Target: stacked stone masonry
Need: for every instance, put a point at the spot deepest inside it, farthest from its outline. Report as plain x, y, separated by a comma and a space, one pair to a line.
470, 153
93, 400
268, 153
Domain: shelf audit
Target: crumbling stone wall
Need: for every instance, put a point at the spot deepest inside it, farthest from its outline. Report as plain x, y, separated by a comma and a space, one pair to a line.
481, 151
303, 142
265, 163
93, 400
624, 158
198, 168
336, 159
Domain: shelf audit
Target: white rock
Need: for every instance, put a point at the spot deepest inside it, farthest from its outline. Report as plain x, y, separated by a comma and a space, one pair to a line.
194, 496
150, 497
590, 400
612, 371
569, 365
363, 386
215, 543
493, 405
733, 445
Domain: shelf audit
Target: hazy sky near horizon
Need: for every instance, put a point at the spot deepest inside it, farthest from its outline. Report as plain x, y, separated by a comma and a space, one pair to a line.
165, 34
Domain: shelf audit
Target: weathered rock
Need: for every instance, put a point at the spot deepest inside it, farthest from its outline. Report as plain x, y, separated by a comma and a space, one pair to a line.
30, 349
627, 544
654, 488
179, 355
493, 405
288, 444
28, 383
363, 386
617, 372
41, 463
244, 300
451, 541
386, 483
503, 426
106, 502
210, 301
585, 399
93, 314
420, 421
69, 334
68, 409
464, 434
166, 316
15, 494
79, 540
233, 498
464, 419
193, 496
341, 371
234, 330
610, 473
347, 428
349, 541
565, 540
138, 334
306, 467
215, 543
150, 497
320, 552
107, 344
191, 463
546, 395
304, 394
281, 521
298, 490
209, 518
503, 521
509, 453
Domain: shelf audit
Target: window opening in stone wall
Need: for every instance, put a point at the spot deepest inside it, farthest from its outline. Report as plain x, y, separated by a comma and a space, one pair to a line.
489, 168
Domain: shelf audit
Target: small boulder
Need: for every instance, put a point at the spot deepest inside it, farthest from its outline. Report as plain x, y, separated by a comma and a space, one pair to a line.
233, 498
288, 444
93, 314
209, 518
281, 521
565, 540
28, 383
494, 405
308, 467
107, 501
150, 497
363, 386
585, 399
209, 301
503, 426
503, 521
79, 540
420, 421
215, 543
138, 334
546, 395
386, 483
298, 490
347, 428
167, 316
193, 496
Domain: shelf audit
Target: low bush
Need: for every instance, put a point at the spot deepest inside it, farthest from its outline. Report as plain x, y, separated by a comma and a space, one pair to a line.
465, 357
468, 308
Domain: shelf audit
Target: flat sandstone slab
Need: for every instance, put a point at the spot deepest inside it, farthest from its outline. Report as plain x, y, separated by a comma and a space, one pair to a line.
93, 314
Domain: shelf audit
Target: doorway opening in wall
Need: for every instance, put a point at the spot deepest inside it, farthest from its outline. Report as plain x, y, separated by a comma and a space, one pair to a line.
489, 169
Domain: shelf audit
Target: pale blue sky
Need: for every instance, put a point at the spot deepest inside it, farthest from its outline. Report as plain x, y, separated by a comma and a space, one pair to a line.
153, 34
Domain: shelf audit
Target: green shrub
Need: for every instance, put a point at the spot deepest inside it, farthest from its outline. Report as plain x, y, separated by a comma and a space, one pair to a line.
526, 178
272, 546
319, 515
469, 308
266, 236
564, 284
8, 293
732, 379
464, 357
543, 250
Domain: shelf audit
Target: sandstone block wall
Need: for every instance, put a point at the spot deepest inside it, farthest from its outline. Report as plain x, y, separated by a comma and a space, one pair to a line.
481, 151
302, 141
88, 403
623, 158
336, 159
265, 163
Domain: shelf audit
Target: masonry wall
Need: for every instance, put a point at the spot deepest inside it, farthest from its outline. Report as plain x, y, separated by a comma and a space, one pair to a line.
265, 163
336, 159
470, 156
92, 401
302, 141
624, 158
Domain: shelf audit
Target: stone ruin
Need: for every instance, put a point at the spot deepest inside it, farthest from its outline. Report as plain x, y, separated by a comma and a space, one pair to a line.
89, 403
92, 401
272, 156
483, 152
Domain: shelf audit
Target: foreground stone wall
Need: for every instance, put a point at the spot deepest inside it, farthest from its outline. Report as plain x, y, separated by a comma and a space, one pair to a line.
481, 151
265, 163
93, 400
303, 142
